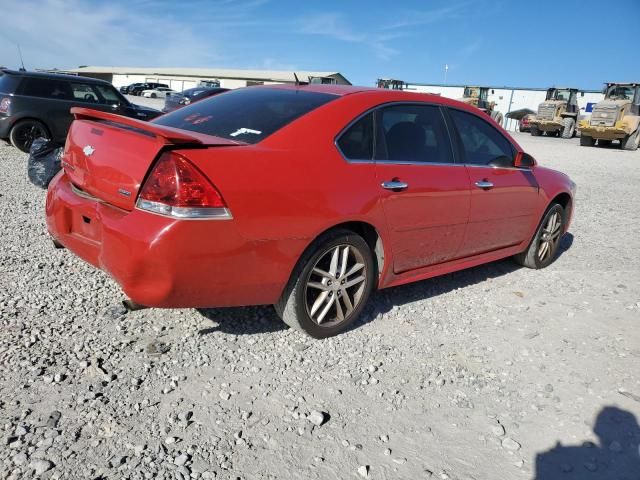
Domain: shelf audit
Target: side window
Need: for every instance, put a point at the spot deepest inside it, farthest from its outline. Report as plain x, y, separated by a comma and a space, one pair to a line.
481, 142
83, 92
357, 142
416, 133
45, 88
109, 94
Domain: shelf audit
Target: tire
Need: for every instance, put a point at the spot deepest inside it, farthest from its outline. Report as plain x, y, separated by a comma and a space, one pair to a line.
535, 132
568, 127
24, 132
153, 95
630, 142
497, 117
586, 141
298, 301
536, 256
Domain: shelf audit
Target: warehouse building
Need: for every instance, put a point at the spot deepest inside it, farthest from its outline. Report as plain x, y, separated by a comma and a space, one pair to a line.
509, 99
182, 78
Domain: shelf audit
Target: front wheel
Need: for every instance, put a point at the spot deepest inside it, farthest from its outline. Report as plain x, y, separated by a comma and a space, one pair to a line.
535, 132
543, 248
153, 95
568, 127
25, 132
330, 285
630, 142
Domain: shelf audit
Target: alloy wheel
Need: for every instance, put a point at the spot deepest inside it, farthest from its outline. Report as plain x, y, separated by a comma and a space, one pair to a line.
335, 285
550, 236
27, 134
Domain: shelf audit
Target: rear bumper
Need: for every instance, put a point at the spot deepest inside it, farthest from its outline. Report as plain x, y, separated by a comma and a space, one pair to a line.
162, 262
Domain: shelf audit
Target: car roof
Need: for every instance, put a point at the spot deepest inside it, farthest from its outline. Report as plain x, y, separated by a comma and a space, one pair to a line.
54, 76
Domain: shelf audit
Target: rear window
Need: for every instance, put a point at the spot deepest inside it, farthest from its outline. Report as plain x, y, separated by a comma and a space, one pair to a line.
248, 115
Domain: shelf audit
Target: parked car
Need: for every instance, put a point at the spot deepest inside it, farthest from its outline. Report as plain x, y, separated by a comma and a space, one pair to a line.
138, 89
305, 197
125, 90
524, 125
36, 105
159, 92
177, 100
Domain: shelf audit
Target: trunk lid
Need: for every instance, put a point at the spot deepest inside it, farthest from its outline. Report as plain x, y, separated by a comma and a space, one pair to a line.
108, 156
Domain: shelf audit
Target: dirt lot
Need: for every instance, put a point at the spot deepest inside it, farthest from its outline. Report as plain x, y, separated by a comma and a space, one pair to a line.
475, 375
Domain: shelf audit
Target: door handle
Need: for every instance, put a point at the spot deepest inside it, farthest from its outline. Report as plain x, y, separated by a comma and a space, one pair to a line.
395, 185
484, 184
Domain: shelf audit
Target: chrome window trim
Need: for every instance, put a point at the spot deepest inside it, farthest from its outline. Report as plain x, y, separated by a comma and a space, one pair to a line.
396, 162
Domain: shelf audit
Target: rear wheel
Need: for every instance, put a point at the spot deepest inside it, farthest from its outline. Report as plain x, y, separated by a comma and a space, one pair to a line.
568, 127
153, 95
543, 248
630, 142
25, 132
535, 132
587, 141
330, 285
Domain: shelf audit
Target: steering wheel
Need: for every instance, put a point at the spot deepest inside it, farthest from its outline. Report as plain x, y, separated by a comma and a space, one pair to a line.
89, 97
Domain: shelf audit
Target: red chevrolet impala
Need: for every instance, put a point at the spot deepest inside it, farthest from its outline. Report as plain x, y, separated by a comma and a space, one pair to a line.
305, 197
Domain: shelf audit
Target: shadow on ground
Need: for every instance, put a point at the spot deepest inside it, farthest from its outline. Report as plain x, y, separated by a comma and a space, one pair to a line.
263, 319
616, 456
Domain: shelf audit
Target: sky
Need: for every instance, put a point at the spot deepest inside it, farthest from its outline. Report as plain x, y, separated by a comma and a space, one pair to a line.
536, 43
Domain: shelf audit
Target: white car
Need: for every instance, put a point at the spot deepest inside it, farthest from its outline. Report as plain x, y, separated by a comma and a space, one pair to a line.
160, 92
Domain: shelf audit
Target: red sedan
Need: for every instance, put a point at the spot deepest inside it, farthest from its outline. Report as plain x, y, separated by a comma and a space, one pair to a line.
304, 197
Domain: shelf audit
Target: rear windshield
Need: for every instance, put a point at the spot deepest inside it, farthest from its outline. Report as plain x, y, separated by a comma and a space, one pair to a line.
248, 114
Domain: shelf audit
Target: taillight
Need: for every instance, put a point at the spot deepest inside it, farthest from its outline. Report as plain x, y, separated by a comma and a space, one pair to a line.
175, 187
5, 103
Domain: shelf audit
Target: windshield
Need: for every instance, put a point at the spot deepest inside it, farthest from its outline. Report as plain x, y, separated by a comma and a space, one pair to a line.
556, 94
472, 92
247, 114
618, 92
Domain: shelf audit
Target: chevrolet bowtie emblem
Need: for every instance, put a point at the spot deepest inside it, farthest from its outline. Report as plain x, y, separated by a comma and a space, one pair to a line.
88, 150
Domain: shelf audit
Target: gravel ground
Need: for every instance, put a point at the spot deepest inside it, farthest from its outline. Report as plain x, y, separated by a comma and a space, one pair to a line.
469, 376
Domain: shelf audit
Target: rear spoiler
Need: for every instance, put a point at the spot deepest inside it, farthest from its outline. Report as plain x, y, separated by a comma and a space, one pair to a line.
166, 135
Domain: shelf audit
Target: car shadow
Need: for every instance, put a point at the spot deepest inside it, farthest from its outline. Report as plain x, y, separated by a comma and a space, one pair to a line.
263, 319
615, 456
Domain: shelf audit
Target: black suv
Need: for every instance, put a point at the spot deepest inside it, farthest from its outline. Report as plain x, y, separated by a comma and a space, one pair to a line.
36, 105
126, 88
137, 89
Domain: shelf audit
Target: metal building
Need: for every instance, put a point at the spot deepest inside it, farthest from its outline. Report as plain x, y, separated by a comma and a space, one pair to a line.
183, 78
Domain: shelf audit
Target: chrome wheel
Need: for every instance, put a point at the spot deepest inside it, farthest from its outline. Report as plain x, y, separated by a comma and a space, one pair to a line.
335, 285
550, 237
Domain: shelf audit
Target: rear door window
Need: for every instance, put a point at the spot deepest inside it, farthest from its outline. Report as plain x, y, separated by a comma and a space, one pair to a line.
83, 92
247, 115
46, 88
416, 133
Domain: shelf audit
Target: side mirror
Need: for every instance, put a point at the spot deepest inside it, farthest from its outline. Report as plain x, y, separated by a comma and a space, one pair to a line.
524, 160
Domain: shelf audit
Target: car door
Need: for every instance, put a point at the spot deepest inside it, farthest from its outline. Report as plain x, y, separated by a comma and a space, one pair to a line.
424, 192
503, 197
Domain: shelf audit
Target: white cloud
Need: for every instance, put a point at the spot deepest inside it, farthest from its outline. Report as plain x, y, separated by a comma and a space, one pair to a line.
68, 33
